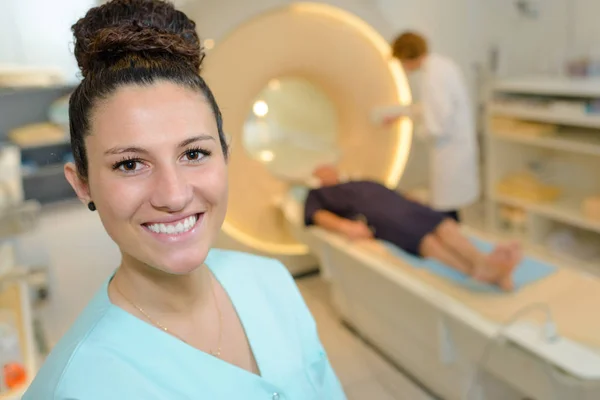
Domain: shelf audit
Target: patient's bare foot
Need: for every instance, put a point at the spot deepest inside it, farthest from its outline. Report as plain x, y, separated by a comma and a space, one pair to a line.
493, 265
515, 257
499, 266
517, 250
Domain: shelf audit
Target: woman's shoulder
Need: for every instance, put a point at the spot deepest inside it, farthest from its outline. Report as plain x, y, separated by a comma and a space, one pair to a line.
250, 272
67, 355
96, 358
249, 265
87, 372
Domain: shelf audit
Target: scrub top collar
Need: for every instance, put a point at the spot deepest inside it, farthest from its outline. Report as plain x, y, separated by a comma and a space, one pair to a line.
258, 339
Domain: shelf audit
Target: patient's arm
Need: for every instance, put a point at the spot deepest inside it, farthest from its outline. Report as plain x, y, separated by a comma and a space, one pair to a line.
328, 220
350, 228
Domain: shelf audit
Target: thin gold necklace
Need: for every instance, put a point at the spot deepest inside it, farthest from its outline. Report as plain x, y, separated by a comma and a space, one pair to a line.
216, 353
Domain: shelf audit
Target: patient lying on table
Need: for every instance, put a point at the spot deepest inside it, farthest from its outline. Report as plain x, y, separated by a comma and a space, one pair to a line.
366, 209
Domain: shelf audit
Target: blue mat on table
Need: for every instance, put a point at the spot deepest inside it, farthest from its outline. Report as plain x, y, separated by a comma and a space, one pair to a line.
527, 272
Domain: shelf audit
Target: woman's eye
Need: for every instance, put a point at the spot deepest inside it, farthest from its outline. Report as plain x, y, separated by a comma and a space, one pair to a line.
194, 155
130, 166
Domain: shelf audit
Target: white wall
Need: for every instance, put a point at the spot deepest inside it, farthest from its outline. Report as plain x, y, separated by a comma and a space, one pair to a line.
216, 18
585, 36
528, 45
466, 29
563, 29
37, 33
450, 26
8, 44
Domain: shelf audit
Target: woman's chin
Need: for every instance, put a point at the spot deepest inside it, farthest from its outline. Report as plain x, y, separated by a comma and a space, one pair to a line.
181, 265
180, 269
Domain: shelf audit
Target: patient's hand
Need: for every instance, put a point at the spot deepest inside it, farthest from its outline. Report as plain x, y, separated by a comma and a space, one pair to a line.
357, 230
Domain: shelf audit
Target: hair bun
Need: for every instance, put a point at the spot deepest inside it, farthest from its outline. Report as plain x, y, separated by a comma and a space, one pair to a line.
137, 30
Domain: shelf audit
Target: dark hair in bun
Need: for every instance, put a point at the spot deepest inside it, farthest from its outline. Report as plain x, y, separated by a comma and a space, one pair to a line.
142, 31
132, 42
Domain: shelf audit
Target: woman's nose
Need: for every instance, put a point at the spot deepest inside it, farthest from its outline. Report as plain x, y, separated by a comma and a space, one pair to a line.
170, 189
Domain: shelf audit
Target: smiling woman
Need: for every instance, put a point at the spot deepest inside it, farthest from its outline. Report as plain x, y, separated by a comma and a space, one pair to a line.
151, 158
145, 142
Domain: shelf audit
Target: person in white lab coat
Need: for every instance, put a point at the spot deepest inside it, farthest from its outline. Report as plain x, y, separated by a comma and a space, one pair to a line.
445, 120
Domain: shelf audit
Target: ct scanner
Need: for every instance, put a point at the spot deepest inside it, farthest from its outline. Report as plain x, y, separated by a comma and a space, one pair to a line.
444, 336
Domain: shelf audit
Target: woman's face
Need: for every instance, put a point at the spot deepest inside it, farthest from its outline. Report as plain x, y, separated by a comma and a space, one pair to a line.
157, 175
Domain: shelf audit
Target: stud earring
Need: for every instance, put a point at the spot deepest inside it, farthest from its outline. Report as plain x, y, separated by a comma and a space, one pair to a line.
91, 206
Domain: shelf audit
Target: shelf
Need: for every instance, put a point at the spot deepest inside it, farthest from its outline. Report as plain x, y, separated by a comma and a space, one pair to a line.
20, 219
65, 142
555, 257
590, 267
26, 89
548, 116
560, 101
550, 86
49, 170
566, 210
575, 142
17, 298
540, 251
31, 276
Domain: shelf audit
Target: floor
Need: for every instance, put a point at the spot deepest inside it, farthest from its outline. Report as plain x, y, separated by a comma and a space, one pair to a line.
363, 373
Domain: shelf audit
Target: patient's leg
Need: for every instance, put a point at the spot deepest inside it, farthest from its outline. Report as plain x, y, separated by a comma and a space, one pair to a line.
496, 267
449, 233
432, 247
501, 263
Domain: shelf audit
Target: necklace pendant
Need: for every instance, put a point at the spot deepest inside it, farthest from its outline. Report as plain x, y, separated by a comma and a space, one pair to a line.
216, 353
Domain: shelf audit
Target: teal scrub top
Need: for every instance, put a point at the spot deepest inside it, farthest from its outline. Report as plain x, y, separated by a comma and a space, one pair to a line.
111, 354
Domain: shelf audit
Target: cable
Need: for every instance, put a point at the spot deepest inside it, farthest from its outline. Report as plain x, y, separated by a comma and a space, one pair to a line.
549, 332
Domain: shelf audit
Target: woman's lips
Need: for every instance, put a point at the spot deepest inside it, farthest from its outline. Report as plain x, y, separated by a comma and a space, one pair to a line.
176, 230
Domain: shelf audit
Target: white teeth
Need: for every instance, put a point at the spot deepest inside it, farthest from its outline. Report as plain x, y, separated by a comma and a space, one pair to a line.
174, 229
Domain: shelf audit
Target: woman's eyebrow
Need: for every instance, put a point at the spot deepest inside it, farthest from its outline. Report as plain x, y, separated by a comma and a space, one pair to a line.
121, 150
193, 139
135, 149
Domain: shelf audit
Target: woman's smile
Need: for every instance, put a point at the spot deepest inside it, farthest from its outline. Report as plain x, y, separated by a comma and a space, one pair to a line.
175, 228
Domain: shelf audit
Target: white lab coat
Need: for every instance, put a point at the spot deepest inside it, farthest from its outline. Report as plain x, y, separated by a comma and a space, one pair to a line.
446, 122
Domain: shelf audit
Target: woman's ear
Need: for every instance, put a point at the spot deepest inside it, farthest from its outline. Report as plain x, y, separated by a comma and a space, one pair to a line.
78, 184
